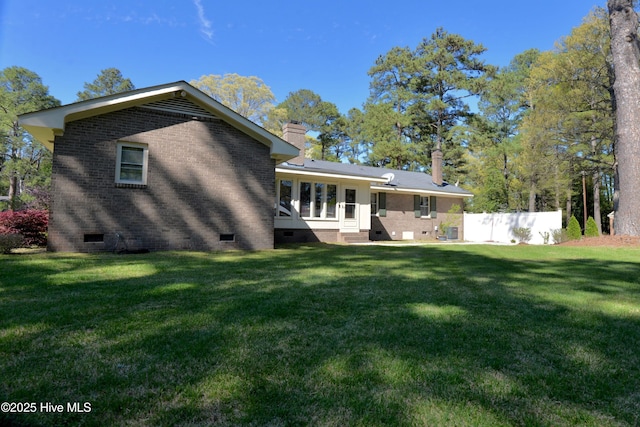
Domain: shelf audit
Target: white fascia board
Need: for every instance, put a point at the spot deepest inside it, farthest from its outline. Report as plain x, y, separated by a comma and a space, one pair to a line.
47, 124
329, 175
55, 118
280, 149
417, 191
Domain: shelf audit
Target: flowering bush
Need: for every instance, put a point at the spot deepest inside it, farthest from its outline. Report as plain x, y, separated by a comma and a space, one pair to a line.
31, 224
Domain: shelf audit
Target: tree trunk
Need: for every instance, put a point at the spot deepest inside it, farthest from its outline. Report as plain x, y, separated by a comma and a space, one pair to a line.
625, 51
13, 191
558, 188
569, 207
505, 174
596, 200
532, 196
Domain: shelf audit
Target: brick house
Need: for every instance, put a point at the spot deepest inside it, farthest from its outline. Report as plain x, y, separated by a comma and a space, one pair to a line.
338, 202
165, 167
168, 167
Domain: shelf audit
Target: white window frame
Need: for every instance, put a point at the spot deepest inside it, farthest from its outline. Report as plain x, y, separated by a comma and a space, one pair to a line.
325, 202
296, 202
312, 193
324, 210
145, 163
350, 214
280, 211
374, 204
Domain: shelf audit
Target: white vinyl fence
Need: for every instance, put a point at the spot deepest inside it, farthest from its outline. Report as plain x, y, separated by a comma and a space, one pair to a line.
498, 227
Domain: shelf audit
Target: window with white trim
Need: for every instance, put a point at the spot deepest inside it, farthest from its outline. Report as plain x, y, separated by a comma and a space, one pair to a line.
305, 199
284, 207
131, 163
331, 201
374, 203
350, 203
318, 200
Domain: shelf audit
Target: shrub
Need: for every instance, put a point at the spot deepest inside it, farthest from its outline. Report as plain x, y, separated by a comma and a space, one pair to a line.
573, 229
559, 235
545, 237
451, 219
523, 234
31, 224
9, 241
591, 229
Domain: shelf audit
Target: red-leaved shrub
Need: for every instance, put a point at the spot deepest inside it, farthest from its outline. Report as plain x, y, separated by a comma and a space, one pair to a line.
31, 224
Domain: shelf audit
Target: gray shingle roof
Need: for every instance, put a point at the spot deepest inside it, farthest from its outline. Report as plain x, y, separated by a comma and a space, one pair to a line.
402, 180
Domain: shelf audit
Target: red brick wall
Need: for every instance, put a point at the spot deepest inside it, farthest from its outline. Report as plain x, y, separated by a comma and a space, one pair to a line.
400, 217
306, 235
205, 178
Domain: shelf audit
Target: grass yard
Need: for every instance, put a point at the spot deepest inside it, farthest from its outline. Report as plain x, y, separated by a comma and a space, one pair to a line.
324, 335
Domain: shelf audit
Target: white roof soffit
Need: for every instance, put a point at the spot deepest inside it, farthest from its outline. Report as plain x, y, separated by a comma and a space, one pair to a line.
418, 191
45, 125
329, 175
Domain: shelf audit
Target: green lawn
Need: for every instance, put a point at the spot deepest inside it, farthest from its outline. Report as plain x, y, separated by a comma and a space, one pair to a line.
326, 336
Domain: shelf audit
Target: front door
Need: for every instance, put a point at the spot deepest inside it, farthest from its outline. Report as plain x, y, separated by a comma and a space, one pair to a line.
350, 212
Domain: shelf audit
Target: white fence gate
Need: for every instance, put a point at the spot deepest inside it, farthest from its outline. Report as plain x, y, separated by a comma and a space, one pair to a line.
498, 227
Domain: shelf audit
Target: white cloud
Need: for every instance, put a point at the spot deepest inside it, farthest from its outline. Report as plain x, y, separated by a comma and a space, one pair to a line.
205, 24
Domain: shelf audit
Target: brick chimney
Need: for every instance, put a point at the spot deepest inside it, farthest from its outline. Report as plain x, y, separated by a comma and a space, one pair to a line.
436, 167
294, 134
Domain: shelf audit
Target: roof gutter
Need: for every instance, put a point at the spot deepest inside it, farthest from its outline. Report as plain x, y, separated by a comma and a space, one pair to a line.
330, 175
417, 191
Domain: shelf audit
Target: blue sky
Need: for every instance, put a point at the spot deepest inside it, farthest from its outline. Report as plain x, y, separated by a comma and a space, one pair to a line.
326, 46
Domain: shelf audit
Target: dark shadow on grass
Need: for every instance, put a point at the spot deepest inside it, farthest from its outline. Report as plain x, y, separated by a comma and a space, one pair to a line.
325, 335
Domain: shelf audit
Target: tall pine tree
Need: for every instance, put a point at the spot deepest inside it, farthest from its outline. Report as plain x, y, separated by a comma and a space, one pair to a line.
625, 50
426, 89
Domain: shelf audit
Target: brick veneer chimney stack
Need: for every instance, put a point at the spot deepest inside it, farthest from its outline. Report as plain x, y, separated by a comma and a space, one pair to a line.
294, 134
436, 167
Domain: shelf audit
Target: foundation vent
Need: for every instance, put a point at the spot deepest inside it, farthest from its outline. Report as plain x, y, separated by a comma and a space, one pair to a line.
228, 237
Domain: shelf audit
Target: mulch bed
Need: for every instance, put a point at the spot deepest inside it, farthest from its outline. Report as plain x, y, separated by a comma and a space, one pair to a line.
609, 241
